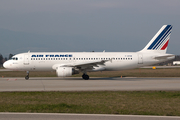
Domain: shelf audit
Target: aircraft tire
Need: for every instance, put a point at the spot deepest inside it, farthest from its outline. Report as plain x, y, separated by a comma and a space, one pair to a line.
85, 77
27, 77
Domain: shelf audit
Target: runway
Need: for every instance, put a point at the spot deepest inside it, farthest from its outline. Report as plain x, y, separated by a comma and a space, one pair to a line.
62, 116
94, 84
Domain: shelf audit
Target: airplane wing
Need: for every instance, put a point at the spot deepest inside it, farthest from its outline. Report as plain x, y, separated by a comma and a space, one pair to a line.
84, 65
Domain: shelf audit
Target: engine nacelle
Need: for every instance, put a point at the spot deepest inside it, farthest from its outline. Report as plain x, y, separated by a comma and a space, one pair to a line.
65, 71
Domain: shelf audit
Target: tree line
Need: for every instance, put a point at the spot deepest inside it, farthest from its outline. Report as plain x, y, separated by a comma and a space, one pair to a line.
3, 59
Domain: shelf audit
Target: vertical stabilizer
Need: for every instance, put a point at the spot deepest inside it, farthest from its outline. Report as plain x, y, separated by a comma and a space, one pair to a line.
160, 41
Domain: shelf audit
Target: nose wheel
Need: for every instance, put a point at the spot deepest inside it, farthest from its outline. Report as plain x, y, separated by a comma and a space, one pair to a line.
27, 76
85, 77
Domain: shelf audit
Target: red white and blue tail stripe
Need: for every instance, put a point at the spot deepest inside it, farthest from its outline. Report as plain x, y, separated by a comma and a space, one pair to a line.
160, 41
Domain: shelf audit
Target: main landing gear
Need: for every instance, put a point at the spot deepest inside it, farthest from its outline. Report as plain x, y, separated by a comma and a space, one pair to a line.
85, 76
27, 76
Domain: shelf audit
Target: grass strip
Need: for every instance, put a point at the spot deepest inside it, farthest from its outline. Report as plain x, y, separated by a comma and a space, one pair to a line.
166, 103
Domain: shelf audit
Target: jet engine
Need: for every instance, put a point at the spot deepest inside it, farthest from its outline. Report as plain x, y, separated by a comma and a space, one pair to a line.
65, 71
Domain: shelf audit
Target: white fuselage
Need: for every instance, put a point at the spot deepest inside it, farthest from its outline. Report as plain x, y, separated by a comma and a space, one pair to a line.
44, 61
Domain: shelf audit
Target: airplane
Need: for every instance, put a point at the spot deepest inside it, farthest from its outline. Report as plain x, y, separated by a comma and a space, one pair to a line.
68, 63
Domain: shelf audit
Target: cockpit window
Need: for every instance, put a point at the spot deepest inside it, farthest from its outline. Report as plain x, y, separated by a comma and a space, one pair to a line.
14, 58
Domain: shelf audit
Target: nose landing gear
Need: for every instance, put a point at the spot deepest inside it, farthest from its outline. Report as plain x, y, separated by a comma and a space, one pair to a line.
27, 76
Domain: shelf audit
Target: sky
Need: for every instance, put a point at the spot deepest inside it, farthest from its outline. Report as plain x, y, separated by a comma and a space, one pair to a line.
85, 25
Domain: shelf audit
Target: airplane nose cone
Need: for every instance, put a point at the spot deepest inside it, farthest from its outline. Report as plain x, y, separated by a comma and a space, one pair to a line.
5, 65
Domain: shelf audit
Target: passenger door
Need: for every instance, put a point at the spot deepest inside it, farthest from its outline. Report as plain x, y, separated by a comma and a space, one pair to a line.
26, 59
140, 59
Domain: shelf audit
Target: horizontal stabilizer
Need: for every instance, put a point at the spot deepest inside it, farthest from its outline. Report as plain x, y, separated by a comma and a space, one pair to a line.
164, 57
